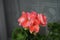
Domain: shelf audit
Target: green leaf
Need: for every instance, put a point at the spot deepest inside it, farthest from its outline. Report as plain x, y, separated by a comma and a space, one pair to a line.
19, 34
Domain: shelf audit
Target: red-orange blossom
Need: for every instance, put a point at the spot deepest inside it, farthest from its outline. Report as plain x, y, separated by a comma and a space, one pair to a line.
32, 21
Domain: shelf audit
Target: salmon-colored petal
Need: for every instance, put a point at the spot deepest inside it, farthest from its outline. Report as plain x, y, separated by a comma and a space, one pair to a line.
28, 15
24, 24
36, 27
42, 19
23, 12
33, 14
22, 18
31, 29
36, 21
45, 20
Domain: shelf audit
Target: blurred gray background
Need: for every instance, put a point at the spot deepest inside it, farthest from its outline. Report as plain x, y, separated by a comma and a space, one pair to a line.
10, 10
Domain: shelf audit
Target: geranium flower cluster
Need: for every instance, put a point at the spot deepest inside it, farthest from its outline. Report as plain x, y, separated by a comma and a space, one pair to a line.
32, 20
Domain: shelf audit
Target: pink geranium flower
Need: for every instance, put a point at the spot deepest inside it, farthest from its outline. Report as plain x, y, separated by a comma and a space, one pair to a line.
32, 20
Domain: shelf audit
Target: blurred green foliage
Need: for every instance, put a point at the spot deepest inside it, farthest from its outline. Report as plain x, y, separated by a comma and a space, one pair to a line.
54, 33
19, 34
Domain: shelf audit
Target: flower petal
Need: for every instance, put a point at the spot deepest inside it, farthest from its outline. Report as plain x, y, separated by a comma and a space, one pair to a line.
31, 29
36, 28
42, 19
